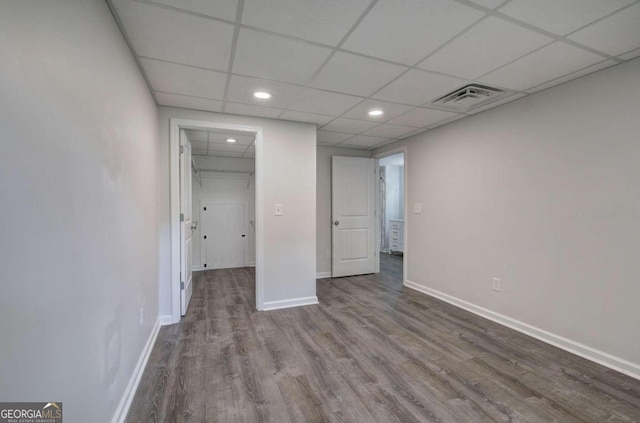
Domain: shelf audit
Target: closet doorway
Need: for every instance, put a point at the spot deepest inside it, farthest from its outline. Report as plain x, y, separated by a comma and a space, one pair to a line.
224, 225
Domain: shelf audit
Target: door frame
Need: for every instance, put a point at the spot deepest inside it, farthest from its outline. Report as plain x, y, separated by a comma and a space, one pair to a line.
405, 253
245, 204
175, 124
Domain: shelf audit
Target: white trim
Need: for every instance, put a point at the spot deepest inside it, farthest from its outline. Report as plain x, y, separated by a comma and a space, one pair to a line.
252, 264
294, 302
130, 391
165, 320
175, 124
608, 360
197, 269
322, 275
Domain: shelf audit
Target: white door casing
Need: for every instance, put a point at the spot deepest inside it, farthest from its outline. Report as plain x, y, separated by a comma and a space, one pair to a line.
186, 242
224, 235
354, 226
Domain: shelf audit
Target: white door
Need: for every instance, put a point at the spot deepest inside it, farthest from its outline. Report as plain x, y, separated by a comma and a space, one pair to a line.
354, 220
186, 244
224, 235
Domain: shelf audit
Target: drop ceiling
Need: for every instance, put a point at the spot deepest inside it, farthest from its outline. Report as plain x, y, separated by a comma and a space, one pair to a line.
214, 143
329, 62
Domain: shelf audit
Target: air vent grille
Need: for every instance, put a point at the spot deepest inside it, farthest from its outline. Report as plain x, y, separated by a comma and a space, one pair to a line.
469, 97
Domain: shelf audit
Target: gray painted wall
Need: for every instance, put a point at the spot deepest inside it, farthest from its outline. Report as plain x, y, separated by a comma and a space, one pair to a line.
544, 194
79, 223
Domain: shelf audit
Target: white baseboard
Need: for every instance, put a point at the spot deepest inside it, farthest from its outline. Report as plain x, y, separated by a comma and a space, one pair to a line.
321, 275
197, 269
294, 302
252, 264
165, 320
616, 363
125, 402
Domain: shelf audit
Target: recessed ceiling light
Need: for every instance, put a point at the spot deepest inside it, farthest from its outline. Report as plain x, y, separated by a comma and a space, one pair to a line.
376, 112
262, 95
231, 140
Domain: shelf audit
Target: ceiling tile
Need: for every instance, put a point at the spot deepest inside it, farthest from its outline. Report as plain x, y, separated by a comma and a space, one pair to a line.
197, 136
227, 147
574, 75
614, 35
630, 54
417, 87
225, 153
223, 9
490, 4
198, 152
179, 79
280, 59
251, 110
221, 138
198, 145
174, 36
351, 126
251, 148
406, 31
351, 74
325, 21
306, 117
548, 63
421, 117
241, 89
352, 147
185, 102
323, 102
364, 141
485, 47
327, 137
249, 155
561, 16
391, 110
389, 131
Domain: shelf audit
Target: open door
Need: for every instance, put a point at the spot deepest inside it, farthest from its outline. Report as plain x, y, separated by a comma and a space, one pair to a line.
186, 245
354, 240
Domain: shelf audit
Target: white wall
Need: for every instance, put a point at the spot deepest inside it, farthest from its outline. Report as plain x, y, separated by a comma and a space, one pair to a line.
78, 182
542, 193
224, 187
323, 223
290, 179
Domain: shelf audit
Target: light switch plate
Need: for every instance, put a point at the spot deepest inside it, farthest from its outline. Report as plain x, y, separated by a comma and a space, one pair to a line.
417, 208
278, 209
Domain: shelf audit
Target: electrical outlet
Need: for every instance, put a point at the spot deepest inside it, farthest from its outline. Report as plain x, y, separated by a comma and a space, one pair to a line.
496, 284
141, 315
328, 254
278, 209
417, 208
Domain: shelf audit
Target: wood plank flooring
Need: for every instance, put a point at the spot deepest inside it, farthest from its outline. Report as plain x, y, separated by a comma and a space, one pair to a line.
372, 351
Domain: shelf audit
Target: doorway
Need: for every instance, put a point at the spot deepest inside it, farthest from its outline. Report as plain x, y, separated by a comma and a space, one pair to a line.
222, 185
392, 209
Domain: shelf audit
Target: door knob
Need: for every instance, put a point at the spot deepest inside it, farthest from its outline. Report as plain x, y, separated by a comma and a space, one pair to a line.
337, 222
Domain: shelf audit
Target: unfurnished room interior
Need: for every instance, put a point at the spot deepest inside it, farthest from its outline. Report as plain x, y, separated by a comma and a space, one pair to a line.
320, 211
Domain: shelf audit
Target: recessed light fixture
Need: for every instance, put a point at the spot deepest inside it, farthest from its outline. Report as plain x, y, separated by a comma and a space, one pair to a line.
376, 112
231, 140
262, 95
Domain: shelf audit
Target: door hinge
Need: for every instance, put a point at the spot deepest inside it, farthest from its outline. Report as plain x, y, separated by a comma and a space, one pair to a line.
181, 149
181, 217
181, 285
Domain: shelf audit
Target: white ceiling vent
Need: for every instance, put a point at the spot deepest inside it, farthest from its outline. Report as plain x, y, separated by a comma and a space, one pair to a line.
469, 97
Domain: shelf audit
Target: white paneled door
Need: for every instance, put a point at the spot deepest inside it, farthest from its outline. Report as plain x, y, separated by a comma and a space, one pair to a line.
186, 244
354, 216
224, 240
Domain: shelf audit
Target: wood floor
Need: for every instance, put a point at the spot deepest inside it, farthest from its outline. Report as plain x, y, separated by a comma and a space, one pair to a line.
372, 351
